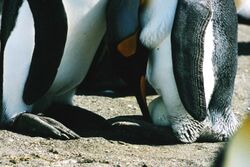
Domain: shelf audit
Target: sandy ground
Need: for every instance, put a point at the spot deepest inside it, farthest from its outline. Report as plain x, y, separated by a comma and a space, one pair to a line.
127, 144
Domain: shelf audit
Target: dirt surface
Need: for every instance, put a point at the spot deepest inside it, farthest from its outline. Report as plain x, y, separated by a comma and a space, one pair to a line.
125, 145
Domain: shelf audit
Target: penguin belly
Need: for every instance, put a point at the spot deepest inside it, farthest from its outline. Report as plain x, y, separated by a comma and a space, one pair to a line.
208, 66
17, 59
86, 27
161, 77
156, 35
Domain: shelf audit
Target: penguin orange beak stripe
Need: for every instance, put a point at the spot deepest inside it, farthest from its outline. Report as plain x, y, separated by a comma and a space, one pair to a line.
128, 46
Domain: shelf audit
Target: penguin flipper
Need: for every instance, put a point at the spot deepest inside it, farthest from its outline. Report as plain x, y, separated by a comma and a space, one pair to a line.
128, 55
50, 38
187, 51
35, 125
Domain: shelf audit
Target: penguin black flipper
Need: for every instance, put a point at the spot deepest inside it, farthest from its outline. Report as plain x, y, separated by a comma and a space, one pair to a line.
50, 38
128, 54
9, 16
188, 63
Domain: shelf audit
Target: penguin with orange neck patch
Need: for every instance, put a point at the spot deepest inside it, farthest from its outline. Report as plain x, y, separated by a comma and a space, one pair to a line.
128, 53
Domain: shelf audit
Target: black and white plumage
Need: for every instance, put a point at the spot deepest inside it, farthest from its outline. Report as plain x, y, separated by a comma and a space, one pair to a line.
46, 50
197, 84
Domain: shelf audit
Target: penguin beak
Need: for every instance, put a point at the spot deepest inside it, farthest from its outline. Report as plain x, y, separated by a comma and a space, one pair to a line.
128, 55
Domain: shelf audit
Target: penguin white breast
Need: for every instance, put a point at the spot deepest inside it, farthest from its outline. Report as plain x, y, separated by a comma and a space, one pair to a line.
17, 58
86, 27
208, 69
157, 21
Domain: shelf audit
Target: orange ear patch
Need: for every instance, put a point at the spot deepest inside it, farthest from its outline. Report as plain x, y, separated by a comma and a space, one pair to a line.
128, 46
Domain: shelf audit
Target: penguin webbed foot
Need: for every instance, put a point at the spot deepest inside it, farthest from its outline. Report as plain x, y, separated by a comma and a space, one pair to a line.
187, 130
36, 125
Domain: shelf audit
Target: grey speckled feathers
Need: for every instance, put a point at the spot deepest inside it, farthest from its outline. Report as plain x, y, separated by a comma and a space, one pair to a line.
187, 42
191, 20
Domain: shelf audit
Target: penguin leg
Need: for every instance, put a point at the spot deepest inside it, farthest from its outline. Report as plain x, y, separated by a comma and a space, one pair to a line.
36, 125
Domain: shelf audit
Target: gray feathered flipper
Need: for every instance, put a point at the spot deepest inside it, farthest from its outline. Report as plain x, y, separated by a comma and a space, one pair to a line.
191, 20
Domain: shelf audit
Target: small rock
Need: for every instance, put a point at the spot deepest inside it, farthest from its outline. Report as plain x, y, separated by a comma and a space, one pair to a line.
53, 151
13, 161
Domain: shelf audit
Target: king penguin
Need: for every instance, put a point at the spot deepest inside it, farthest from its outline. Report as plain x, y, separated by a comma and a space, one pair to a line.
46, 50
134, 37
193, 70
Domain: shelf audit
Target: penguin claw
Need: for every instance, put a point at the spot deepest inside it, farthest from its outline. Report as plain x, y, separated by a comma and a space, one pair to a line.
65, 132
35, 125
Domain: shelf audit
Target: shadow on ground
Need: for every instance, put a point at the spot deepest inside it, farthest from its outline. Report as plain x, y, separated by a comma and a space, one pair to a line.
244, 48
